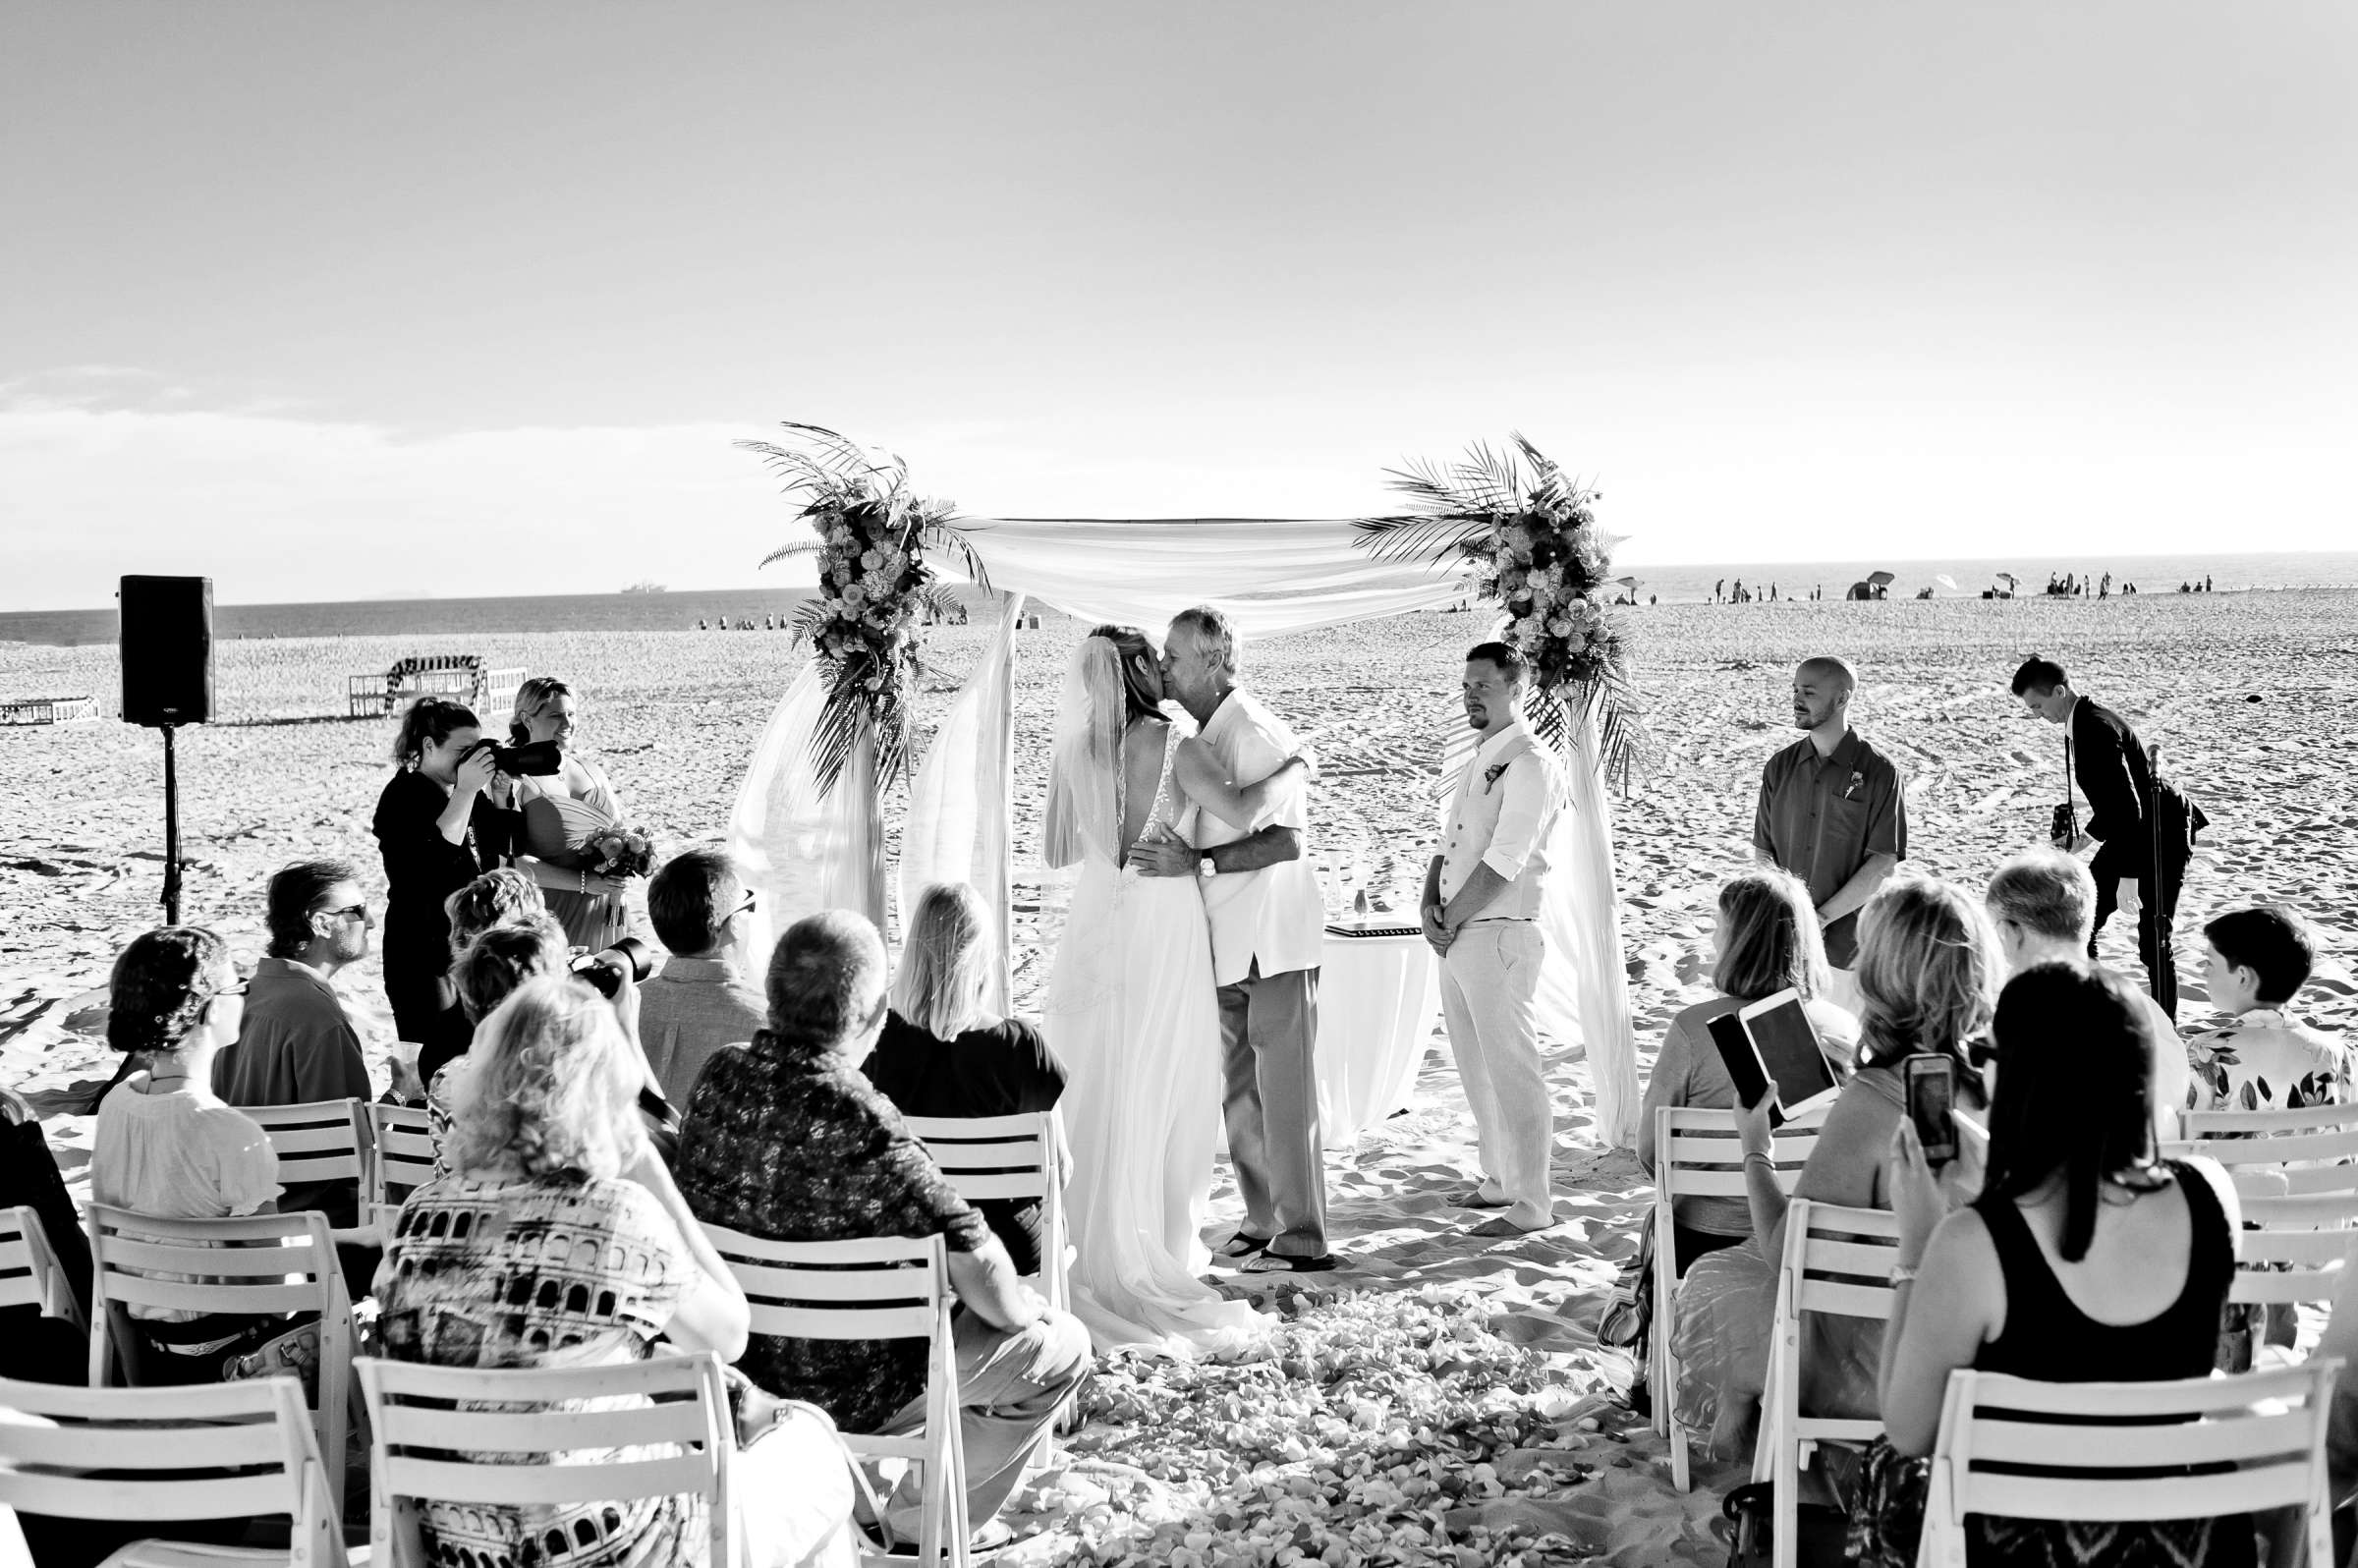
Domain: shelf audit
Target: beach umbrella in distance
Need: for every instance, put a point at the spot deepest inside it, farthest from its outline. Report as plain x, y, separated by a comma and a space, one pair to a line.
1882, 579
1629, 582
2008, 579
1946, 581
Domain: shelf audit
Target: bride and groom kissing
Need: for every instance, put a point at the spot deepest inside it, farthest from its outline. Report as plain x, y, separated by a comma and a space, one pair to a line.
1188, 971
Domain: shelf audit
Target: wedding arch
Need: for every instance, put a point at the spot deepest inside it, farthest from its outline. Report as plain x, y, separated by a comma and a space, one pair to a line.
808, 824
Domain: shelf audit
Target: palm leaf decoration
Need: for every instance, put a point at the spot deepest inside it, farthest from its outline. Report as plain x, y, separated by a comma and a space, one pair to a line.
877, 542
1527, 531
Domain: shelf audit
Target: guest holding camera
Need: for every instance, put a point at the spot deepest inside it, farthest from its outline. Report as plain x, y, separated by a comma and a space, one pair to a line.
561, 810
445, 819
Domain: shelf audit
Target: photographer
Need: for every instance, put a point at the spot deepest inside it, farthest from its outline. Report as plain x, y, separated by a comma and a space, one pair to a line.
445, 819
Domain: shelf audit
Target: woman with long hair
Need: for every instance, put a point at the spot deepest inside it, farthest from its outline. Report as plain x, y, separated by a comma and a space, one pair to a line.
558, 1239
1131, 1010
946, 1051
2085, 1259
445, 817
1764, 939
561, 809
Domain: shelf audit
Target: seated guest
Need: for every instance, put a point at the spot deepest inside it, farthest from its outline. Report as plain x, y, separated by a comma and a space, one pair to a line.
558, 1239
1928, 976
502, 896
2082, 1261
2255, 961
165, 1143
699, 1001
784, 1140
298, 1044
2044, 907
33, 1346
944, 1053
1766, 940
490, 969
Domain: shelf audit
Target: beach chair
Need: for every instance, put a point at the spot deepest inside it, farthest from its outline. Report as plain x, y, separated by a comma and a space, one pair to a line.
2017, 1449
401, 1160
1011, 1158
228, 1450
674, 1410
252, 1264
2314, 1148
1695, 1156
29, 1272
1836, 1261
889, 1287
319, 1140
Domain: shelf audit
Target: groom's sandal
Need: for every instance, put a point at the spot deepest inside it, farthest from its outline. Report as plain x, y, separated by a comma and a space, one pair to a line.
1280, 1264
1472, 1198
1239, 1246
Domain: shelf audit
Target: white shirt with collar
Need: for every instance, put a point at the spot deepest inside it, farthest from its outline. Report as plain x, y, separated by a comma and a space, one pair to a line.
1275, 917
1506, 805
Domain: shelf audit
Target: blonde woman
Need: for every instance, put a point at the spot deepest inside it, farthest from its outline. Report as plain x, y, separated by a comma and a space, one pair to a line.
561, 809
944, 1051
558, 1239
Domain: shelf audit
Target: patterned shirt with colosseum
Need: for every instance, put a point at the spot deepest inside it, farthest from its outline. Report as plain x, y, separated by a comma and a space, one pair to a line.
552, 1273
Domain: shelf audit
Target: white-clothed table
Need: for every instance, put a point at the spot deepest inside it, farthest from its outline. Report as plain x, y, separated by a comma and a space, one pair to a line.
1378, 999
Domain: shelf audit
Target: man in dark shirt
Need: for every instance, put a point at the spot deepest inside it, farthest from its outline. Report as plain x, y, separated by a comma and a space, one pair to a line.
784, 1140
2102, 756
1831, 813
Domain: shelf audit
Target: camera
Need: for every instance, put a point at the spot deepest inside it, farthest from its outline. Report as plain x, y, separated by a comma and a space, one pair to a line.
532, 760
2064, 825
629, 959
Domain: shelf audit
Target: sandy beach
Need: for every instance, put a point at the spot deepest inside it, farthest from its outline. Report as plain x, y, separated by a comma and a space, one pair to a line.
2253, 698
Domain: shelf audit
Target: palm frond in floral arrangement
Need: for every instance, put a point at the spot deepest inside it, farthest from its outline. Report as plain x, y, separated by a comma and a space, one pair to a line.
878, 543
1529, 533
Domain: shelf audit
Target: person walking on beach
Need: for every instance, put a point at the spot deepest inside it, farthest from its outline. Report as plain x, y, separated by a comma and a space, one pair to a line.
1831, 813
1481, 910
1716, 588
2104, 758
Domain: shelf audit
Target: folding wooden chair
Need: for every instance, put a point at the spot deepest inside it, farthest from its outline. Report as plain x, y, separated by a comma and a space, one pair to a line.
426, 1421
400, 1161
1837, 1260
2312, 1149
889, 1287
1013, 1158
2018, 1449
29, 1272
77, 1453
1695, 1156
249, 1265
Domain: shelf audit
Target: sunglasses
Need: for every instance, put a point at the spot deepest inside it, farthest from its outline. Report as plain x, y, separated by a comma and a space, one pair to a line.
746, 908
348, 912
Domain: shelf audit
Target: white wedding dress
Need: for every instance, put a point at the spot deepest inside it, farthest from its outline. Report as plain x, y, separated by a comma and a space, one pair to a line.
1134, 1017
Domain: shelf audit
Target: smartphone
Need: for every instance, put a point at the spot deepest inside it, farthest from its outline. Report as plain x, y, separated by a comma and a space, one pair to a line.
1786, 1042
1931, 1086
1743, 1063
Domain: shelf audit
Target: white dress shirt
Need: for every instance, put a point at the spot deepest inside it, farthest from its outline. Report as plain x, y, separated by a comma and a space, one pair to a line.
1506, 805
1276, 916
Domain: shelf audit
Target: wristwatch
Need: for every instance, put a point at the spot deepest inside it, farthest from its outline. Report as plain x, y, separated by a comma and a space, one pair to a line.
1204, 868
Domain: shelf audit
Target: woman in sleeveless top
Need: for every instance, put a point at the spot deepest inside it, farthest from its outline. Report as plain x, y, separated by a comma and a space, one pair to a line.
560, 813
2085, 1260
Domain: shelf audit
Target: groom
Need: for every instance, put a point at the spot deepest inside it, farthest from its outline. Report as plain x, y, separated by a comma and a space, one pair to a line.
1268, 920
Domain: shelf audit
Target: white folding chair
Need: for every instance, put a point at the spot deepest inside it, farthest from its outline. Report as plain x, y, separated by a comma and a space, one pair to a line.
321, 1140
232, 1451
250, 1265
463, 1435
888, 1287
1695, 1156
2017, 1449
29, 1272
1013, 1158
1836, 1261
401, 1159
2312, 1149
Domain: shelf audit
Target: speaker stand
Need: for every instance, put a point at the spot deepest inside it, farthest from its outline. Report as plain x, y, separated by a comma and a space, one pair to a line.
171, 833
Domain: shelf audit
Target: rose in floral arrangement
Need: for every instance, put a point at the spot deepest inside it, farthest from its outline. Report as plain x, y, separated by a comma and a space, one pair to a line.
1529, 535
875, 577
620, 850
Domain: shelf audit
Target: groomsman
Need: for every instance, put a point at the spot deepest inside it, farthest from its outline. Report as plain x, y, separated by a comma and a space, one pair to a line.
1480, 914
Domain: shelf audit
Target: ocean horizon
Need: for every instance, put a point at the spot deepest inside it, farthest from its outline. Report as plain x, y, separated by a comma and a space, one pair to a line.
683, 610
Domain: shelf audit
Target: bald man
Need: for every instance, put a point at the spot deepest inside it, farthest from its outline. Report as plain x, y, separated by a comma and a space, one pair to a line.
1831, 812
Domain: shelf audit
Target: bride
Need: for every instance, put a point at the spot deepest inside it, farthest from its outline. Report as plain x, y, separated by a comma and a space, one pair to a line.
1132, 1011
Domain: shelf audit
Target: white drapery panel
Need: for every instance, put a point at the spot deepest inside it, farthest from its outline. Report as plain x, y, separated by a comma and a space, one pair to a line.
800, 852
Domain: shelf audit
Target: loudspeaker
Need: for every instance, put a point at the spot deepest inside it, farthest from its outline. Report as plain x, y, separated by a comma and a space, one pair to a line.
167, 651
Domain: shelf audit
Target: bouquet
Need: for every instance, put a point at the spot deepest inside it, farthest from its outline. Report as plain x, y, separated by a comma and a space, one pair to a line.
619, 851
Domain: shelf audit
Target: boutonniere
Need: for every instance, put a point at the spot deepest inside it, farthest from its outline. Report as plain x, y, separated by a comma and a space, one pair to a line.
1491, 775
1857, 782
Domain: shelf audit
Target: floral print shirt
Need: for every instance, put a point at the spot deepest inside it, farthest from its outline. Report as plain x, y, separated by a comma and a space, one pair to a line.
2266, 1060
786, 1147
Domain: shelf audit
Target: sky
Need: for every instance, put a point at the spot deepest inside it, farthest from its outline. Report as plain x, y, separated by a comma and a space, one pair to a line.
367, 299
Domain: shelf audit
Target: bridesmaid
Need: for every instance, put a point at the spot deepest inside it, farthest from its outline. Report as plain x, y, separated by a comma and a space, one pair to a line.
561, 810
440, 823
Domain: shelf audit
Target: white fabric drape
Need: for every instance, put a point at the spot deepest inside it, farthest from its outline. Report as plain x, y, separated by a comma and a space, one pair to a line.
800, 852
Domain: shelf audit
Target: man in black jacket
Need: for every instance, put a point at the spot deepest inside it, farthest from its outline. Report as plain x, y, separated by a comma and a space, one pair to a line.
2101, 754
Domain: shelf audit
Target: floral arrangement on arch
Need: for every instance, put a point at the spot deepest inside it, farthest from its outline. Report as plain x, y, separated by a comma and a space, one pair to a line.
1530, 536
875, 577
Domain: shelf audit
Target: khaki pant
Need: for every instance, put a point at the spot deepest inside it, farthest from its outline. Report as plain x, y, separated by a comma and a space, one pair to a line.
1490, 978
1269, 1101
